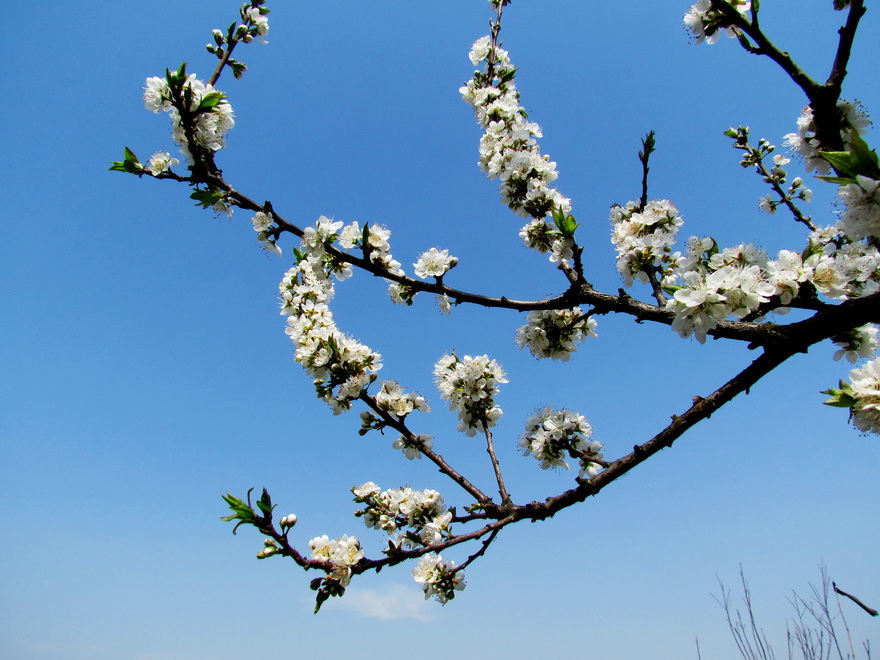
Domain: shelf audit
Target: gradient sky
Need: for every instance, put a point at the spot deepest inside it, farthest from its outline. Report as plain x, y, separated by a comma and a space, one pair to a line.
146, 370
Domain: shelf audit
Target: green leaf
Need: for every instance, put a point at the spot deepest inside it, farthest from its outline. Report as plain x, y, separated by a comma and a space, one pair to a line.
207, 198
126, 166
840, 398
210, 100
131, 163
565, 223
841, 180
265, 503
859, 160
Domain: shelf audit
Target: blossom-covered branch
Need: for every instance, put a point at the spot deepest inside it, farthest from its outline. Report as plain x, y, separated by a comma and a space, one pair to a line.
697, 287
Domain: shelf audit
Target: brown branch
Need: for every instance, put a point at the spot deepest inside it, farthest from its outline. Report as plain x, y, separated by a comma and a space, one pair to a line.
496, 466
847, 33
438, 460
869, 610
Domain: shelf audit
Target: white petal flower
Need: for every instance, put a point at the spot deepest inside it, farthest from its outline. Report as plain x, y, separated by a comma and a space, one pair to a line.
434, 263
161, 161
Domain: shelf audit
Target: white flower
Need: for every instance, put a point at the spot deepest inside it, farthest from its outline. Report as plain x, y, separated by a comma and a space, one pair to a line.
643, 239
161, 161
412, 450
860, 217
470, 385
157, 96
508, 149
706, 23
866, 392
698, 306
209, 126
438, 578
857, 343
480, 50
553, 333
434, 263
553, 435
260, 21
340, 555
807, 145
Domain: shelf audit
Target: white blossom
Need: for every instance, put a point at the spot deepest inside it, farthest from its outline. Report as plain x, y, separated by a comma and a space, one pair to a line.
339, 554
161, 161
860, 217
554, 435
706, 23
470, 385
553, 333
865, 389
438, 578
807, 145
434, 263
858, 343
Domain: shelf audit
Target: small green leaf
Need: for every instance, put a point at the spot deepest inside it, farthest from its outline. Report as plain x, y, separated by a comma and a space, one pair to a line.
565, 223
207, 198
131, 163
210, 100
840, 398
840, 180
265, 503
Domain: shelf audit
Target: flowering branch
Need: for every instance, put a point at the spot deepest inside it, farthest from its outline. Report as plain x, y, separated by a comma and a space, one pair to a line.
698, 291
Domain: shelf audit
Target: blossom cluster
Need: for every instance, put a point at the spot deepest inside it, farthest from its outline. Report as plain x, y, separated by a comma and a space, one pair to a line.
470, 385
421, 511
552, 435
643, 238
339, 554
706, 22
718, 284
509, 150
259, 23
840, 267
394, 400
553, 333
438, 578
373, 241
853, 120
198, 111
342, 367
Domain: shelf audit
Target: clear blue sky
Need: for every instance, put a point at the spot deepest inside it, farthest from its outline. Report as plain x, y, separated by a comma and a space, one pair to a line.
146, 371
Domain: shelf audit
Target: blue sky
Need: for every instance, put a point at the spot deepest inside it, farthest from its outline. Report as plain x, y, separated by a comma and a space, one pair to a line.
147, 371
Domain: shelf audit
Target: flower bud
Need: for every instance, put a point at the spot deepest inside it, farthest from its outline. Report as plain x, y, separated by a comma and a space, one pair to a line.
266, 552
